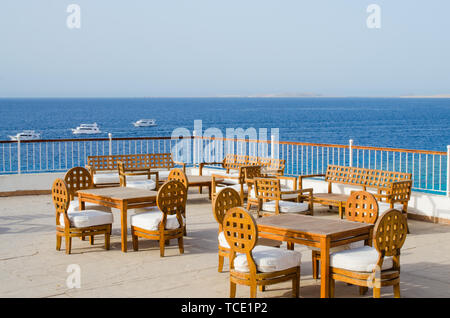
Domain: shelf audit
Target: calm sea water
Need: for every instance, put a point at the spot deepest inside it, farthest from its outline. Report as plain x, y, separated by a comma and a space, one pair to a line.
383, 122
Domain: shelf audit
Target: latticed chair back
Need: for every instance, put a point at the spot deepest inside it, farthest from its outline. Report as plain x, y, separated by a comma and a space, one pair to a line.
122, 176
241, 233
179, 175
171, 199
268, 189
251, 172
226, 199
390, 233
362, 207
77, 178
61, 200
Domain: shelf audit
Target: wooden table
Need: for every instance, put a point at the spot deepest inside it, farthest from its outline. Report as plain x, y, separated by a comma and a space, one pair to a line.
315, 231
198, 181
121, 198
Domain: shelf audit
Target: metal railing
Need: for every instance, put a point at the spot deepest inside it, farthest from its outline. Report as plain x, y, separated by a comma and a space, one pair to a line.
429, 169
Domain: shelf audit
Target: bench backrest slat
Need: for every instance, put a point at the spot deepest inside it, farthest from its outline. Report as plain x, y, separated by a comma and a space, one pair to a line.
151, 160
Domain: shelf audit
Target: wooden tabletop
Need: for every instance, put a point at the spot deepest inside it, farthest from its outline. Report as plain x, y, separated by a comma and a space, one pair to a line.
309, 224
119, 193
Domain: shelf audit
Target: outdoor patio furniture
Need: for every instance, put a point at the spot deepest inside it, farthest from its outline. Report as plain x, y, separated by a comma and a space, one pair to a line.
103, 169
121, 198
77, 224
253, 265
269, 194
78, 178
226, 199
376, 266
252, 172
233, 180
391, 187
147, 184
361, 207
167, 221
232, 162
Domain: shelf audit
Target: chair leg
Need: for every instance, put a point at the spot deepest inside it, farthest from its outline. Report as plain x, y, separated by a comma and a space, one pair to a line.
200, 189
397, 291
363, 290
221, 260
376, 292
58, 242
253, 289
315, 264
91, 239
296, 284
107, 240
290, 246
232, 290
135, 240
162, 244
180, 245
68, 244
332, 287
262, 288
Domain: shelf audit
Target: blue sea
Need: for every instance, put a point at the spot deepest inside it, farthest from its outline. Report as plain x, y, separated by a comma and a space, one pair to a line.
410, 123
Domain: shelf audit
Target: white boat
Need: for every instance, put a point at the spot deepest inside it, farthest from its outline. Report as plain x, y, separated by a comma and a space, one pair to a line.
86, 129
26, 135
145, 123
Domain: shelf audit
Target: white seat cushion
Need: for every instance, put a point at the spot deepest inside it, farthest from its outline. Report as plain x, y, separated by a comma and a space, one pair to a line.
236, 187
223, 241
150, 221
142, 184
162, 174
362, 259
268, 259
74, 206
285, 206
383, 207
87, 218
112, 177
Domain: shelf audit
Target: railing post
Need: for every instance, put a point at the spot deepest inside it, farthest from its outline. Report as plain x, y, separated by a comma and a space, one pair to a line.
18, 155
194, 147
275, 151
448, 170
110, 143
350, 152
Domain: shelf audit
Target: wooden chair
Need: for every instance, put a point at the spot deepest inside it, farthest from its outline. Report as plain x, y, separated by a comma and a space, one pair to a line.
376, 266
147, 184
79, 178
253, 265
166, 223
269, 194
361, 207
77, 224
226, 199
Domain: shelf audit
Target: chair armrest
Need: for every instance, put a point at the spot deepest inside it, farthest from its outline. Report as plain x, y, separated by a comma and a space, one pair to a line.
91, 169
293, 179
182, 164
202, 164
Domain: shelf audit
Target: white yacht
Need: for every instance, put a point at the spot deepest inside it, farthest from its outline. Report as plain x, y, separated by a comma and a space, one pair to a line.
86, 129
145, 123
26, 135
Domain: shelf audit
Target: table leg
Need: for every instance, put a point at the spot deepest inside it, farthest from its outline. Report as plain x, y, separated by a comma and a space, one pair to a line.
324, 267
123, 214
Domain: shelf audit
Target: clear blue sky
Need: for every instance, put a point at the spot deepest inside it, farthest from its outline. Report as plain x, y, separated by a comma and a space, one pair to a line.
228, 47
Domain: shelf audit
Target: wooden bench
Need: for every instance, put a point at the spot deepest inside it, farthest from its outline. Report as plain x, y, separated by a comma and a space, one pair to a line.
104, 169
234, 162
391, 187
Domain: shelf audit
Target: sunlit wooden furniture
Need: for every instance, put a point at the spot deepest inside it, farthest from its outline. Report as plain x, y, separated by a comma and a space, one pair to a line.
233, 162
376, 266
147, 183
235, 181
80, 223
103, 169
253, 265
120, 198
79, 178
269, 195
226, 199
361, 207
393, 188
167, 221
191, 181
315, 231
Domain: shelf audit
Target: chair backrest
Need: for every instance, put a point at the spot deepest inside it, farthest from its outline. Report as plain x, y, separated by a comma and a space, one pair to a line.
362, 207
240, 229
77, 178
226, 199
390, 233
171, 199
179, 175
61, 200
251, 172
268, 188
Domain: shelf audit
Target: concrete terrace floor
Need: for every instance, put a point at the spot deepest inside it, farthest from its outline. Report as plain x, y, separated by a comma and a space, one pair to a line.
30, 266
